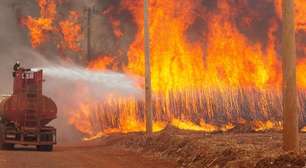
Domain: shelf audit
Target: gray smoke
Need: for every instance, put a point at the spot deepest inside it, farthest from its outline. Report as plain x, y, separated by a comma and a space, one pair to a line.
70, 86
62, 83
14, 46
9, 41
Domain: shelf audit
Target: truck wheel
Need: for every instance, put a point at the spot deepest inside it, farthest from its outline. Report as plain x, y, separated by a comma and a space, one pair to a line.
7, 146
46, 148
1, 136
3, 145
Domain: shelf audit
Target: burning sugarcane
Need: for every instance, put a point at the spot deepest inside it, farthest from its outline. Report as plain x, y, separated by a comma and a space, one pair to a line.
230, 79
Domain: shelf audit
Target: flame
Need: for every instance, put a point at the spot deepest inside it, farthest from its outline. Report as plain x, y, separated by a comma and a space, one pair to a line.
233, 61
301, 69
222, 73
71, 31
202, 126
267, 125
102, 63
187, 77
126, 122
81, 120
303, 129
171, 53
300, 13
188, 125
38, 27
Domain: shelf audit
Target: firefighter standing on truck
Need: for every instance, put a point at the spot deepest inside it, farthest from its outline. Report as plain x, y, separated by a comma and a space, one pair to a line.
17, 66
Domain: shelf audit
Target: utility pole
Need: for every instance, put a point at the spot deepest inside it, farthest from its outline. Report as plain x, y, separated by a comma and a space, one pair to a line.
148, 89
290, 109
88, 11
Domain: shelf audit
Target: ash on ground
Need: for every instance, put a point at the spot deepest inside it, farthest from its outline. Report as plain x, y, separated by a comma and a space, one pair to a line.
201, 150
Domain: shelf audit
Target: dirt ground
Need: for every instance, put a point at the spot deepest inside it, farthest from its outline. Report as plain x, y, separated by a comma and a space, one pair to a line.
79, 156
218, 150
170, 148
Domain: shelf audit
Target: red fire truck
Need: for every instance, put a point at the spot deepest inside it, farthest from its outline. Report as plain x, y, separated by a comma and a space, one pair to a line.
24, 115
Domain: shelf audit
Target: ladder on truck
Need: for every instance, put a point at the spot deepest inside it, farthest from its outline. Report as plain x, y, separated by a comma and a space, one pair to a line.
32, 118
32, 91
32, 125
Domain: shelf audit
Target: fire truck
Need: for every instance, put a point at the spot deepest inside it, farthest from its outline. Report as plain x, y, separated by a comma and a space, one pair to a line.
25, 115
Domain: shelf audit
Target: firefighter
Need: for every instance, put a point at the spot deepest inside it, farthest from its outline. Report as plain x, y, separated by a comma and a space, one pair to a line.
17, 66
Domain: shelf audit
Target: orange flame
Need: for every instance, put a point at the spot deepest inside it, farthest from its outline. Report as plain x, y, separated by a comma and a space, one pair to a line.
102, 63
231, 61
38, 27
71, 31
267, 125
190, 78
184, 71
301, 70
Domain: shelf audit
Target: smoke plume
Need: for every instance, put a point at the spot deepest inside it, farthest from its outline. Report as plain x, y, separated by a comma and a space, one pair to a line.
61, 81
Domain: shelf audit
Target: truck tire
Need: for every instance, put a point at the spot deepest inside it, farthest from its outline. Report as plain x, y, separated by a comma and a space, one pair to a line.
45, 148
5, 146
1, 135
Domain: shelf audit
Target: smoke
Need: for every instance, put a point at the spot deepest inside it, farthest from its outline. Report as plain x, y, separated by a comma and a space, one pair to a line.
63, 83
71, 86
14, 46
9, 41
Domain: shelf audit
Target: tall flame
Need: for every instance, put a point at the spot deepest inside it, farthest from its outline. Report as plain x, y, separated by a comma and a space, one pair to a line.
187, 74
209, 83
38, 27
71, 31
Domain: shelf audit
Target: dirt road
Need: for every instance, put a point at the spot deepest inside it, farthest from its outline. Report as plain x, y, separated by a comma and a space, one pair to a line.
80, 156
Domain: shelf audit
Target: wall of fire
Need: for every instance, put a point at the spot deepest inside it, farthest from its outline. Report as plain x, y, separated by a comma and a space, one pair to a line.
103, 40
113, 28
213, 61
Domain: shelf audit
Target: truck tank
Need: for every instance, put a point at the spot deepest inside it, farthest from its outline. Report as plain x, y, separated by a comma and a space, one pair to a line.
14, 109
27, 103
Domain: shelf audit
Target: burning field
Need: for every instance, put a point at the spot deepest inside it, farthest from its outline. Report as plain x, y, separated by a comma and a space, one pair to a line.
215, 63
191, 149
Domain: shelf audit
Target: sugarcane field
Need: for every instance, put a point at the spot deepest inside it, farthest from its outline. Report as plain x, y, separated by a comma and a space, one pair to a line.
153, 84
